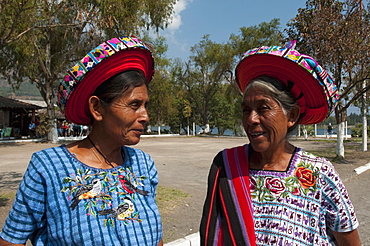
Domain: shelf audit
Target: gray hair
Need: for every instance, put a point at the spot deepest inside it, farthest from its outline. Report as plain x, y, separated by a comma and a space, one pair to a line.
278, 91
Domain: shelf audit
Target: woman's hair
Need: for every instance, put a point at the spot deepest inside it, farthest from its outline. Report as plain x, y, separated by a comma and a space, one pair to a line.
115, 86
278, 91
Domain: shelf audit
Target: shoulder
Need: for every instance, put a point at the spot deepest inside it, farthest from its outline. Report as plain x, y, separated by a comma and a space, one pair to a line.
309, 157
323, 165
242, 148
134, 151
137, 154
238, 150
51, 151
49, 157
223, 154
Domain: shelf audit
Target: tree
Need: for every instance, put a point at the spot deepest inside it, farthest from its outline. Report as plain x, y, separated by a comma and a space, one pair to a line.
336, 34
187, 113
264, 34
41, 39
202, 75
161, 90
222, 112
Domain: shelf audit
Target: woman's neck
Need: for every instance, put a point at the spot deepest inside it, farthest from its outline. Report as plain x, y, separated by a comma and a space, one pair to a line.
97, 152
276, 160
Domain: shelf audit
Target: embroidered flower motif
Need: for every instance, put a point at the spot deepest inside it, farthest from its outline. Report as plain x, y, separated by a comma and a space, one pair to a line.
305, 177
275, 185
296, 191
269, 188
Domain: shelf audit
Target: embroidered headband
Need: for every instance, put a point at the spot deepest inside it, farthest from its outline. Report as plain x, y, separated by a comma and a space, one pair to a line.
314, 89
108, 59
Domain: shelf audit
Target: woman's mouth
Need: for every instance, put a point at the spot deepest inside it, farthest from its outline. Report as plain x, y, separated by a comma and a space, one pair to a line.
139, 131
256, 134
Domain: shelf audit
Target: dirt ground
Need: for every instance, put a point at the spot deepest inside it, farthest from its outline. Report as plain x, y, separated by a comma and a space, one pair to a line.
182, 163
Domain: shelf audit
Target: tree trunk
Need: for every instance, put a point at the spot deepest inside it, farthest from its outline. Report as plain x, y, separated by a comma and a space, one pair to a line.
49, 99
159, 125
188, 131
49, 95
364, 120
341, 118
340, 140
364, 131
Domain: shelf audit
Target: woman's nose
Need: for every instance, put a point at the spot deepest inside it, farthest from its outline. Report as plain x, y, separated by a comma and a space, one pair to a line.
144, 116
253, 118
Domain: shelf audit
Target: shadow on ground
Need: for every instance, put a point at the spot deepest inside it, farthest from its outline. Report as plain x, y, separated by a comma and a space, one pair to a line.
4, 201
9, 181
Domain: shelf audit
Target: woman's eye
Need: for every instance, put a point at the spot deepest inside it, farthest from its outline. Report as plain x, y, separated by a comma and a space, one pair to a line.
264, 107
134, 105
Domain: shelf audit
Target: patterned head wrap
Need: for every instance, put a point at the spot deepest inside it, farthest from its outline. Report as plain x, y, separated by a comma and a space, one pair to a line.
315, 91
105, 61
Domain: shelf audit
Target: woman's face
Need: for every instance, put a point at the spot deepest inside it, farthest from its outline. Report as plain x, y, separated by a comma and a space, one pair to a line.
264, 121
125, 118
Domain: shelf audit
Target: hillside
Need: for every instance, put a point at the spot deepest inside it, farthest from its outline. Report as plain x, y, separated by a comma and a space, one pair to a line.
26, 91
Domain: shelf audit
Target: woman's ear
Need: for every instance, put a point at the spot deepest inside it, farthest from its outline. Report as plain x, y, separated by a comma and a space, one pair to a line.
294, 116
95, 108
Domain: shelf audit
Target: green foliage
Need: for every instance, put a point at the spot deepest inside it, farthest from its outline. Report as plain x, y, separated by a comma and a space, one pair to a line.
357, 130
336, 34
178, 120
221, 113
201, 77
187, 109
309, 129
161, 88
264, 34
39, 40
226, 112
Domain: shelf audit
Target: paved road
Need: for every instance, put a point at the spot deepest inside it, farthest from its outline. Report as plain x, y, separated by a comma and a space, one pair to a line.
183, 163
358, 189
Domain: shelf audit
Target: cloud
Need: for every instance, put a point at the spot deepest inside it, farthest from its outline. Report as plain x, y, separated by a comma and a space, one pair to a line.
176, 16
176, 48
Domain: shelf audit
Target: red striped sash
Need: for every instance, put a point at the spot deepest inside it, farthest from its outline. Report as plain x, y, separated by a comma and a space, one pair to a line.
227, 214
237, 171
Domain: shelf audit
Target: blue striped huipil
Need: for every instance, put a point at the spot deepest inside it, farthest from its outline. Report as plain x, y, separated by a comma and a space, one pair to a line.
113, 216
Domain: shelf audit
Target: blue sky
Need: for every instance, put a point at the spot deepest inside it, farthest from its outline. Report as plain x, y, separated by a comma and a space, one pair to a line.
195, 18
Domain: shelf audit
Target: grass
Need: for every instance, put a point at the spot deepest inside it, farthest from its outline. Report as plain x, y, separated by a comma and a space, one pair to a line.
6, 198
352, 151
169, 198
328, 153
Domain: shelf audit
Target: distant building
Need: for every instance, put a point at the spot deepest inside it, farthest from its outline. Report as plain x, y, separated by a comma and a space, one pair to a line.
15, 116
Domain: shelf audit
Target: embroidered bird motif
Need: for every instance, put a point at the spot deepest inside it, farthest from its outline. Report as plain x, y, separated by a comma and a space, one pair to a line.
123, 211
129, 187
87, 192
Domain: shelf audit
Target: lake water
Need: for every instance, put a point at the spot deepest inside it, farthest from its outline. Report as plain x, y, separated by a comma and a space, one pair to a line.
230, 133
